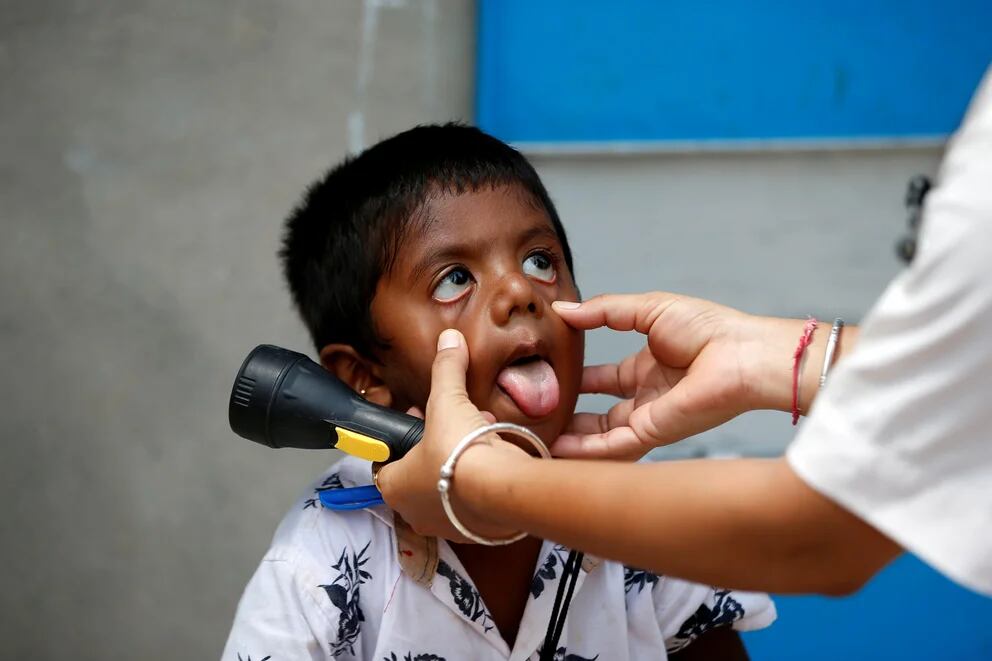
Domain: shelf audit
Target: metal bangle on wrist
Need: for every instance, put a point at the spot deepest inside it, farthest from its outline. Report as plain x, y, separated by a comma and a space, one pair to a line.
444, 483
828, 357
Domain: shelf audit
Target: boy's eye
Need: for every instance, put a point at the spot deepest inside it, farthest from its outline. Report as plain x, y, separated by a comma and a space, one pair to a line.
456, 281
538, 265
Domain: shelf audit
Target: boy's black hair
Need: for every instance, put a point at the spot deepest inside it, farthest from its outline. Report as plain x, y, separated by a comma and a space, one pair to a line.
345, 233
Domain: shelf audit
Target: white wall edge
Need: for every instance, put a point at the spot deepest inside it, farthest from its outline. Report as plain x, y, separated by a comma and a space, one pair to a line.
679, 147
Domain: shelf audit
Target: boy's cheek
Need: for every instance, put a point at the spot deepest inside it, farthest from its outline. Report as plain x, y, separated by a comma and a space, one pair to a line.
409, 382
408, 365
575, 339
410, 394
571, 375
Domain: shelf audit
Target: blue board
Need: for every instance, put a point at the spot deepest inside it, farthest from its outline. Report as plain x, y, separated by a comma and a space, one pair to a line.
584, 71
908, 612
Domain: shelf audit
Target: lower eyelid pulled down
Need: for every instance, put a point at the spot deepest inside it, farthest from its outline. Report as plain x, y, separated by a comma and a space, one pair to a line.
451, 291
553, 265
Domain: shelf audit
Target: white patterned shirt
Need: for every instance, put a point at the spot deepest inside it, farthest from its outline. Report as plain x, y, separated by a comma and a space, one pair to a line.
362, 585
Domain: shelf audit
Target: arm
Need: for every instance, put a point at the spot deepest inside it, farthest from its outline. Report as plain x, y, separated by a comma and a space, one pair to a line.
747, 524
750, 524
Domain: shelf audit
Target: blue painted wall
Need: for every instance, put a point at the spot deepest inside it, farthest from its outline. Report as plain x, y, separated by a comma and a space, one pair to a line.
580, 70
908, 612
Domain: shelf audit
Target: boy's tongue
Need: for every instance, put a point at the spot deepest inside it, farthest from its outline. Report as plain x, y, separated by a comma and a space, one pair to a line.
532, 386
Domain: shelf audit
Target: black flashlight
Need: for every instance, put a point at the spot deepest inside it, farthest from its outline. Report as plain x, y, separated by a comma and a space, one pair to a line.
283, 399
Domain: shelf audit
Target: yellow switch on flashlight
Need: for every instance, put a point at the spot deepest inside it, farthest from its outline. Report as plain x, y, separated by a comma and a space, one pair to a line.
360, 445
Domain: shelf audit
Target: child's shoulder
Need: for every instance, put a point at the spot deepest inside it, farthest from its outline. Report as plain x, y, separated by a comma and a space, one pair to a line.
312, 533
323, 570
685, 610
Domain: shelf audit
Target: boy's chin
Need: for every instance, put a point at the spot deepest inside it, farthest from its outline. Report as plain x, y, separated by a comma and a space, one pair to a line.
547, 429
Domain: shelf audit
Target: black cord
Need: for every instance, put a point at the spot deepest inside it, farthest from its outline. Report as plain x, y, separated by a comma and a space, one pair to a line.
556, 624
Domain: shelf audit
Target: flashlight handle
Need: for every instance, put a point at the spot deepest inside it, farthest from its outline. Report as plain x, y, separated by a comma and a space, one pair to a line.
281, 398
369, 426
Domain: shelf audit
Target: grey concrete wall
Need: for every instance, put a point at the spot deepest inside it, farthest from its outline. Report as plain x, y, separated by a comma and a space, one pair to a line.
148, 152
779, 233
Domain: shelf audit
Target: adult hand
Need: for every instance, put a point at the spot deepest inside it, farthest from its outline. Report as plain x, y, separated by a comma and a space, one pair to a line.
409, 486
703, 365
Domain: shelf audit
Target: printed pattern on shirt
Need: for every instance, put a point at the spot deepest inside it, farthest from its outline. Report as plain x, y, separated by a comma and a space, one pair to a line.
548, 571
343, 592
637, 578
356, 556
725, 611
466, 597
332, 481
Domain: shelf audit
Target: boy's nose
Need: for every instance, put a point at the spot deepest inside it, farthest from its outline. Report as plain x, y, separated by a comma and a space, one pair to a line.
515, 296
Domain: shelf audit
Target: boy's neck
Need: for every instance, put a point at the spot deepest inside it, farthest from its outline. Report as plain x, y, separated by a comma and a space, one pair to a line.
503, 576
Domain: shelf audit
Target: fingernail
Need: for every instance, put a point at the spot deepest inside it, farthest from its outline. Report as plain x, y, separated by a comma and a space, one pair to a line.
449, 339
565, 305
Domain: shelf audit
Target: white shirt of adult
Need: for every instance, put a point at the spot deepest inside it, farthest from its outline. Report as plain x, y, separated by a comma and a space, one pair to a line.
902, 434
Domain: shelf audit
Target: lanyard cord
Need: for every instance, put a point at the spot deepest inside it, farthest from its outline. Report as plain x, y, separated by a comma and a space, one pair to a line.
569, 574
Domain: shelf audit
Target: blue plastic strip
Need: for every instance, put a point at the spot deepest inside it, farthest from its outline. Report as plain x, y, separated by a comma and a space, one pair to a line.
352, 498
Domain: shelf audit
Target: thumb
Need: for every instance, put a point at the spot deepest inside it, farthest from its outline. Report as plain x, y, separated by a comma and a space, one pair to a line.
448, 374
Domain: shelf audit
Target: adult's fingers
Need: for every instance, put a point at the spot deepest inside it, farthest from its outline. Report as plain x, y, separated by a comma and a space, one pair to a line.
617, 379
684, 411
601, 380
618, 443
622, 312
628, 432
450, 412
448, 372
599, 423
587, 423
417, 413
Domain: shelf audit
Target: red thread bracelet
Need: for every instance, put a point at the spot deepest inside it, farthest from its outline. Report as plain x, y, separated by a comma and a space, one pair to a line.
804, 341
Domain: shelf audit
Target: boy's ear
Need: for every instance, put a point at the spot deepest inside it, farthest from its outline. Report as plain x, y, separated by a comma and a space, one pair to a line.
344, 362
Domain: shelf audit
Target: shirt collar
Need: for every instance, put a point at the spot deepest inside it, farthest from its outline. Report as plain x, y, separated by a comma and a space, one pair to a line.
355, 472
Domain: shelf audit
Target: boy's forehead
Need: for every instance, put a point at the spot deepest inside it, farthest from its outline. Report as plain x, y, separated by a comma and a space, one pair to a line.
488, 216
473, 207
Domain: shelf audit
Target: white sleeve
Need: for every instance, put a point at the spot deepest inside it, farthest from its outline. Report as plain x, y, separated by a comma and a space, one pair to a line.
687, 610
279, 618
902, 434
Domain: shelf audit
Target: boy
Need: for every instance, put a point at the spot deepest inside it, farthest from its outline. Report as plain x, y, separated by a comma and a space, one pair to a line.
446, 227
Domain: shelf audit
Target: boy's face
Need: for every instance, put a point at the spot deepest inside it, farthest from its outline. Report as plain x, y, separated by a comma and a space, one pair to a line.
488, 263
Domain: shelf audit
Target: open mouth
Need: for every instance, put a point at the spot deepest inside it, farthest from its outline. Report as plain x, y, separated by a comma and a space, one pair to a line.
530, 381
525, 360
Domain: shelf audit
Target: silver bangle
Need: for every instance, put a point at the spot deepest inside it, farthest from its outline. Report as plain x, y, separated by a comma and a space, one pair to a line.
828, 357
448, 474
